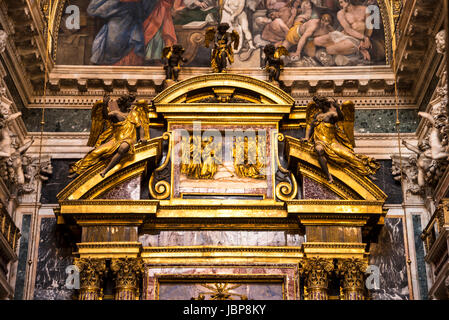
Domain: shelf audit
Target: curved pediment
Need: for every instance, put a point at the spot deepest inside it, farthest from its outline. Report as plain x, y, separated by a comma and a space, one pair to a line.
90, 185
348, 184
223, 87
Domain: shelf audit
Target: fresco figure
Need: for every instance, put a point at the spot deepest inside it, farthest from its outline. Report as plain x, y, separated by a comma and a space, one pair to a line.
120, 40
234, 14
136, 30
354, 38
312, 28
279, 23
158, 28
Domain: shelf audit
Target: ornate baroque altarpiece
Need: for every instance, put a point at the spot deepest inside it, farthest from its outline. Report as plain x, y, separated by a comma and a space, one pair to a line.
223, 205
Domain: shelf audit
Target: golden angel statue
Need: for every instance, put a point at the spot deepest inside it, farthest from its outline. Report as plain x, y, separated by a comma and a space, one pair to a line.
273, 61
116, 127
331, 129
223, 50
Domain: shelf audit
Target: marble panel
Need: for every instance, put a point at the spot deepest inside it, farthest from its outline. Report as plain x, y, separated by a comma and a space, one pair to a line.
224, 238
237, 291
314, 190
128, 190
420, 261
54, 255
57, 181
57, 120
389, 255
274, 282
384, 120
384, 180
23, 255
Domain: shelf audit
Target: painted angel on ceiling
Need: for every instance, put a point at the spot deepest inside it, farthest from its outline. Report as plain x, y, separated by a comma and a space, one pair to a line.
116, 127
224, 45
331, 130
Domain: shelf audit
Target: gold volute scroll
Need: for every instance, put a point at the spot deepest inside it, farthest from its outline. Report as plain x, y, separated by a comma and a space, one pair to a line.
285, 191
159, 186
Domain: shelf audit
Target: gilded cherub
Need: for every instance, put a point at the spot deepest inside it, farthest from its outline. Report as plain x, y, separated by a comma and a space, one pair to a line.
173, 58
223, 50
273, 61
116, 127
331, 130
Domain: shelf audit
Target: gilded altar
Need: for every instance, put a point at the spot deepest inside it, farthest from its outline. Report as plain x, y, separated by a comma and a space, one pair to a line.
223, 203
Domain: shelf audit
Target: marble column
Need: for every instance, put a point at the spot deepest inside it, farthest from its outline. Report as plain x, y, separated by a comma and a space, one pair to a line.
127, 272
352, 273
91, 273
316, 272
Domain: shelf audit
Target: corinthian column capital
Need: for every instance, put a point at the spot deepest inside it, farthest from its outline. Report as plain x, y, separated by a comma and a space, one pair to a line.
352, 273
91, 273
127, 272
316, 272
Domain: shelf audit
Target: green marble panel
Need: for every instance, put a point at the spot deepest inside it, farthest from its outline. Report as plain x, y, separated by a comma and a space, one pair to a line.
384, 121
421, 263
57, 120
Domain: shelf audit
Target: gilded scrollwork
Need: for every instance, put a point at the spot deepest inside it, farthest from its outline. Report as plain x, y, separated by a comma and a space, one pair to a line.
159, 185
127, 272
352, 272
91, 274
286, 185
316, 272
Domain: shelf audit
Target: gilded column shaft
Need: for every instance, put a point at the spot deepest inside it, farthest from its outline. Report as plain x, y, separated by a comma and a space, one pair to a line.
91, 272
127, 272
352, 272
316, 272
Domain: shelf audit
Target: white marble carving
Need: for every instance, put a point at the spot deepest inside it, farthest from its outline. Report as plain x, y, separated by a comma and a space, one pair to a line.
3, 39
425, 169
440, 40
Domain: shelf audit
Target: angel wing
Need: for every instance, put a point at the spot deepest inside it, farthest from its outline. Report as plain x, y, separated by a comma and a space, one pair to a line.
209, 37
98, 123
347, 125
311, 111
165, 52
235, 38
143, 113
281, 51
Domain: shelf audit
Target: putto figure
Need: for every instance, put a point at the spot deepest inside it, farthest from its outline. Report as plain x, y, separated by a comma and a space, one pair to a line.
273, 61
116, 127
331, 130
223, 50
173, 58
